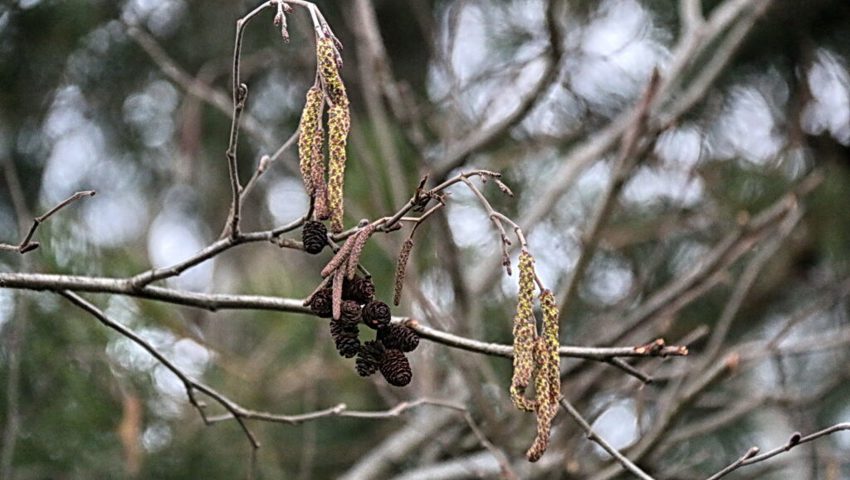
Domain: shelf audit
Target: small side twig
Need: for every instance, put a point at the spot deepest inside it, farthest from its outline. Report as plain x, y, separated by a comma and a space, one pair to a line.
795, 440
27, 245
593, 436
191, 385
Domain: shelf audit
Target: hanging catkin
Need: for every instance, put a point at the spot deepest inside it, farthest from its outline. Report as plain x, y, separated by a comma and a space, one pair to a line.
524, 334
310, 122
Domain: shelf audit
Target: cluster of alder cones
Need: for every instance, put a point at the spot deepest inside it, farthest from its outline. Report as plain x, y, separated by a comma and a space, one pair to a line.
353, 303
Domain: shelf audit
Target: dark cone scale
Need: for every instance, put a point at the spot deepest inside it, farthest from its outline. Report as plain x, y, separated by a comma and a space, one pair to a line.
398, 337
369, 358
376, 314
345, 338
315, 236
360, 289
350, 312
395, 368
322, 303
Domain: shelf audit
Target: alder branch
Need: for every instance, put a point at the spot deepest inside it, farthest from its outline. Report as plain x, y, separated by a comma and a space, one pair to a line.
588, 430
627, 159
795, 440
194, 86
600, 143
214, 302
26, 244
190, 384
341, 410
478, 139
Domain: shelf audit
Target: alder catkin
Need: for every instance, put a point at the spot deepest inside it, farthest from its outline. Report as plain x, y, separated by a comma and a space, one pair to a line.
545, 409
310, 120
339, 259
321, 210
338, 125
360, 240
551, 339
329, 70
524, 335
401, 269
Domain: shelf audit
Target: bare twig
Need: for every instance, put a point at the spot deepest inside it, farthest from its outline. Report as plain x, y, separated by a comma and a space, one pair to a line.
239, 96
190, 384
27, 245
458, 152
622, 459
795, 440
630, 150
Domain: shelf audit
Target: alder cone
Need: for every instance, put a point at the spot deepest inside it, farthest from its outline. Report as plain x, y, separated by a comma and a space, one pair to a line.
376, 314
314, 235
359, 289
398, 337
396, 369
322, 303
350, 312
369, 358
343, 329
347, 346
345, 337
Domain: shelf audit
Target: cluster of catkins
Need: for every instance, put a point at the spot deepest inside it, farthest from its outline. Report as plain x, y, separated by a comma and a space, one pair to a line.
536, 356
350, 302
328, 91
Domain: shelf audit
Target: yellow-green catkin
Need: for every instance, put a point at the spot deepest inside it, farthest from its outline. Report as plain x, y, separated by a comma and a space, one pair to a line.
321, 210
338, 126
310, 123
551, 338
339, 123
329, 70
548, 376
524, 334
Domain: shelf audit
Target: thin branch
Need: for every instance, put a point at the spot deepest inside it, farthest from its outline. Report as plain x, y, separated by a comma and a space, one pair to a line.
239, 96
196, 86
190, 384
622, 459
144, 278
630, 150
27, 245
795, 440
478, 139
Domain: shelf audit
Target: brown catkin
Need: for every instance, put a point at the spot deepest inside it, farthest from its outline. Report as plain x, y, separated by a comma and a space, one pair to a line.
339, 123
340, 258
360, 240
336, 299
525, 334
310, 121
401, 269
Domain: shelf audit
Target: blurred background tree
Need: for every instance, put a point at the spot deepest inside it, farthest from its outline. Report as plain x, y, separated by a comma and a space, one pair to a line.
726, 231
